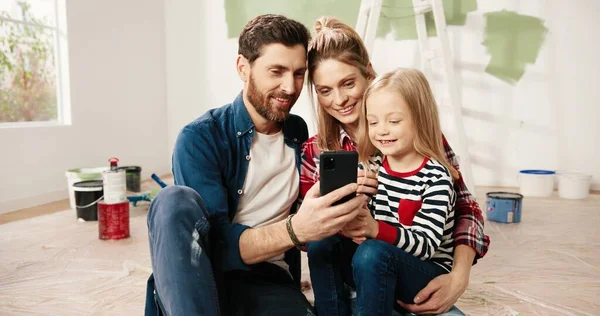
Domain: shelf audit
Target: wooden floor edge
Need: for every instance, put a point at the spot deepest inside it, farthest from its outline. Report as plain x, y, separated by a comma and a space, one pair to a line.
47, 208
57, 206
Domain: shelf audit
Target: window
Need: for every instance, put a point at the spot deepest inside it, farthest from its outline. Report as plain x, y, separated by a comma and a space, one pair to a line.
33, 63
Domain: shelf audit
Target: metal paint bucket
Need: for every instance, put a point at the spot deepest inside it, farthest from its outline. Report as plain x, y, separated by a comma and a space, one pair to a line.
504, 207
113, 220
115, 188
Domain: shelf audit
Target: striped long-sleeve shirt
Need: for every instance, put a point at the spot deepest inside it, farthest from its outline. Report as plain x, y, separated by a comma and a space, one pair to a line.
415, 210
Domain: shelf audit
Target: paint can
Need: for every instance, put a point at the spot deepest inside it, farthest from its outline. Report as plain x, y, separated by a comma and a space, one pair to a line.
87, 195
115, 190
113, 220
81, 174
536, 183
133, 178
504, 207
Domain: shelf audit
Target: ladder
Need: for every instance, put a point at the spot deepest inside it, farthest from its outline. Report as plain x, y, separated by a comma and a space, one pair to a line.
366, 27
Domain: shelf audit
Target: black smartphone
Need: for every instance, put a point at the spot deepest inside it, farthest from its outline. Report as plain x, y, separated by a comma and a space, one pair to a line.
337, 169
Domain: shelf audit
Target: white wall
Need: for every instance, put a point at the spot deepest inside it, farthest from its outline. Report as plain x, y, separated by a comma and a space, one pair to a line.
545, 121
186, 73
118, 102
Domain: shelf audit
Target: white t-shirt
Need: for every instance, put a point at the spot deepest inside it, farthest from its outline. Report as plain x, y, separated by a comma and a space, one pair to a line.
271, 187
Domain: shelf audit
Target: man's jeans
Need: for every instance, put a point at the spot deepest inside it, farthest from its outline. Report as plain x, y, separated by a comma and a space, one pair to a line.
379, 271
184, 281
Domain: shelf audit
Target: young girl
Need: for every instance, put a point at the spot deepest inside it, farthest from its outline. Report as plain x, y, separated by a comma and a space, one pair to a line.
411, 232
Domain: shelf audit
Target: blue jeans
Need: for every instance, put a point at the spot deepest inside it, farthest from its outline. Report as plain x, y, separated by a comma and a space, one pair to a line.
380, 273
186, 282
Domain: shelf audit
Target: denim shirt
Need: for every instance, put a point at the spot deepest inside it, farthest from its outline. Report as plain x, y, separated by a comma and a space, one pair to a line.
211, 156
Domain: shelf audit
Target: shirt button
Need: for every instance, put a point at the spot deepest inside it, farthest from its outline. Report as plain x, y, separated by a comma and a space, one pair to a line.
248, 157
239, 133
240, 191
250, 132
296, 140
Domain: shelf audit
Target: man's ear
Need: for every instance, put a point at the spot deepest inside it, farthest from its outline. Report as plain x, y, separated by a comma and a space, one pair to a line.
243, 67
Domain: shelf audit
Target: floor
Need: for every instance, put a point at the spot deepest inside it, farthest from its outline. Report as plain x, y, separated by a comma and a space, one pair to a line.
549, 264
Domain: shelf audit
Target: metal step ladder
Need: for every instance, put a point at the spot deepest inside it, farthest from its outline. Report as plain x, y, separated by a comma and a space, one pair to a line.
366, 26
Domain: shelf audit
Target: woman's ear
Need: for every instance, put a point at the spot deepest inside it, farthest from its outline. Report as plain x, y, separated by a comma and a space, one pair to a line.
371, 71
243, 67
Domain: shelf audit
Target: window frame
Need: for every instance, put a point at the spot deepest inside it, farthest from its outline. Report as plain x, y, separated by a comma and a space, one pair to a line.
61, 61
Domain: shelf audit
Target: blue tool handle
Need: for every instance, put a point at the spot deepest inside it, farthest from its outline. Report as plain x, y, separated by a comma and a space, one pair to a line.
158, 180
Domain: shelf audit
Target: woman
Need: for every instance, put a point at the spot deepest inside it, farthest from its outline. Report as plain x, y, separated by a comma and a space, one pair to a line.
340, 72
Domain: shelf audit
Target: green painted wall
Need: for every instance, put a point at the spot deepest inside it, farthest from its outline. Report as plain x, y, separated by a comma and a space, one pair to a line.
513, 41
239, 12
397, 16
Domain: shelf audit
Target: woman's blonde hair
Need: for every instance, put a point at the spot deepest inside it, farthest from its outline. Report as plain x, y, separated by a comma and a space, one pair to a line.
412, 85
334, 40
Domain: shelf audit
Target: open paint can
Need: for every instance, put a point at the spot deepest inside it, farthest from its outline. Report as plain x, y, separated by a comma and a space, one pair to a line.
504, 207
133, 178
87, 195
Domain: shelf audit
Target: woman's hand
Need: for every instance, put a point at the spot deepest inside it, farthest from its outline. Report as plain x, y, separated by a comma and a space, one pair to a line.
443, 292
439, 295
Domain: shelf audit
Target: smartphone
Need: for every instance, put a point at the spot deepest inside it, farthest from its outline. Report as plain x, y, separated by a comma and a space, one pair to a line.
337, 169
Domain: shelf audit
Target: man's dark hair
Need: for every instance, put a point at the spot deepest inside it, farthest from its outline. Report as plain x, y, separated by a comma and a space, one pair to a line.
268, 29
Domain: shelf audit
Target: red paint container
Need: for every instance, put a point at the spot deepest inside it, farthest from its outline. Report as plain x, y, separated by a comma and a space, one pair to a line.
113, 220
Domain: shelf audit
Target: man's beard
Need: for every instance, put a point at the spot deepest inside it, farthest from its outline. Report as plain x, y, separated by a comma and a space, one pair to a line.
262, 103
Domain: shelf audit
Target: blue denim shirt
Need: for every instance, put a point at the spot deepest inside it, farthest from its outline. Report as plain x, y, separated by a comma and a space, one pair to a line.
210, 156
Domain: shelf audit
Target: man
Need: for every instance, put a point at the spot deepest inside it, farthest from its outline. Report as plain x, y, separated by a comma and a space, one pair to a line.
222, 240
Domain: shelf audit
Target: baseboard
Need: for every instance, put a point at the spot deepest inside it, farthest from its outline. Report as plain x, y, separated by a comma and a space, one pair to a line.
31, 201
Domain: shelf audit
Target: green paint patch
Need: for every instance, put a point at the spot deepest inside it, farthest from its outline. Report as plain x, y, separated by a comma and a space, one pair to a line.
239, 12
398, 17
513, 41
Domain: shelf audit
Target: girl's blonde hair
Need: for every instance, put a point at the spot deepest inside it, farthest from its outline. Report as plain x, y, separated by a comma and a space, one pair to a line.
334, 40
412, 85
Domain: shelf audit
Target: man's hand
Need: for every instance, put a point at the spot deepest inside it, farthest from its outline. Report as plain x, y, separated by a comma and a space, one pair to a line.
317, 218
367, 182
439, 295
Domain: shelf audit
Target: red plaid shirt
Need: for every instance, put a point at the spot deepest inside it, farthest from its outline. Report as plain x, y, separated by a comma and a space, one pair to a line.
469, 221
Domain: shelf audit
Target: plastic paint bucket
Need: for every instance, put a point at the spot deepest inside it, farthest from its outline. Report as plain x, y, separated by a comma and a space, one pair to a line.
572, 185
81, 174
87, 195
504, 207
133, 177
113, 220
536, 183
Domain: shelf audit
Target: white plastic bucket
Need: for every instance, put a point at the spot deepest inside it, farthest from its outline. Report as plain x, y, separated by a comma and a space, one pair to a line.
573, 185
81, 174
536, 183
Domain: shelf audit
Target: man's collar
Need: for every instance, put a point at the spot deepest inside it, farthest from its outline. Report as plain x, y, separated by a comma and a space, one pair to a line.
241, 118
